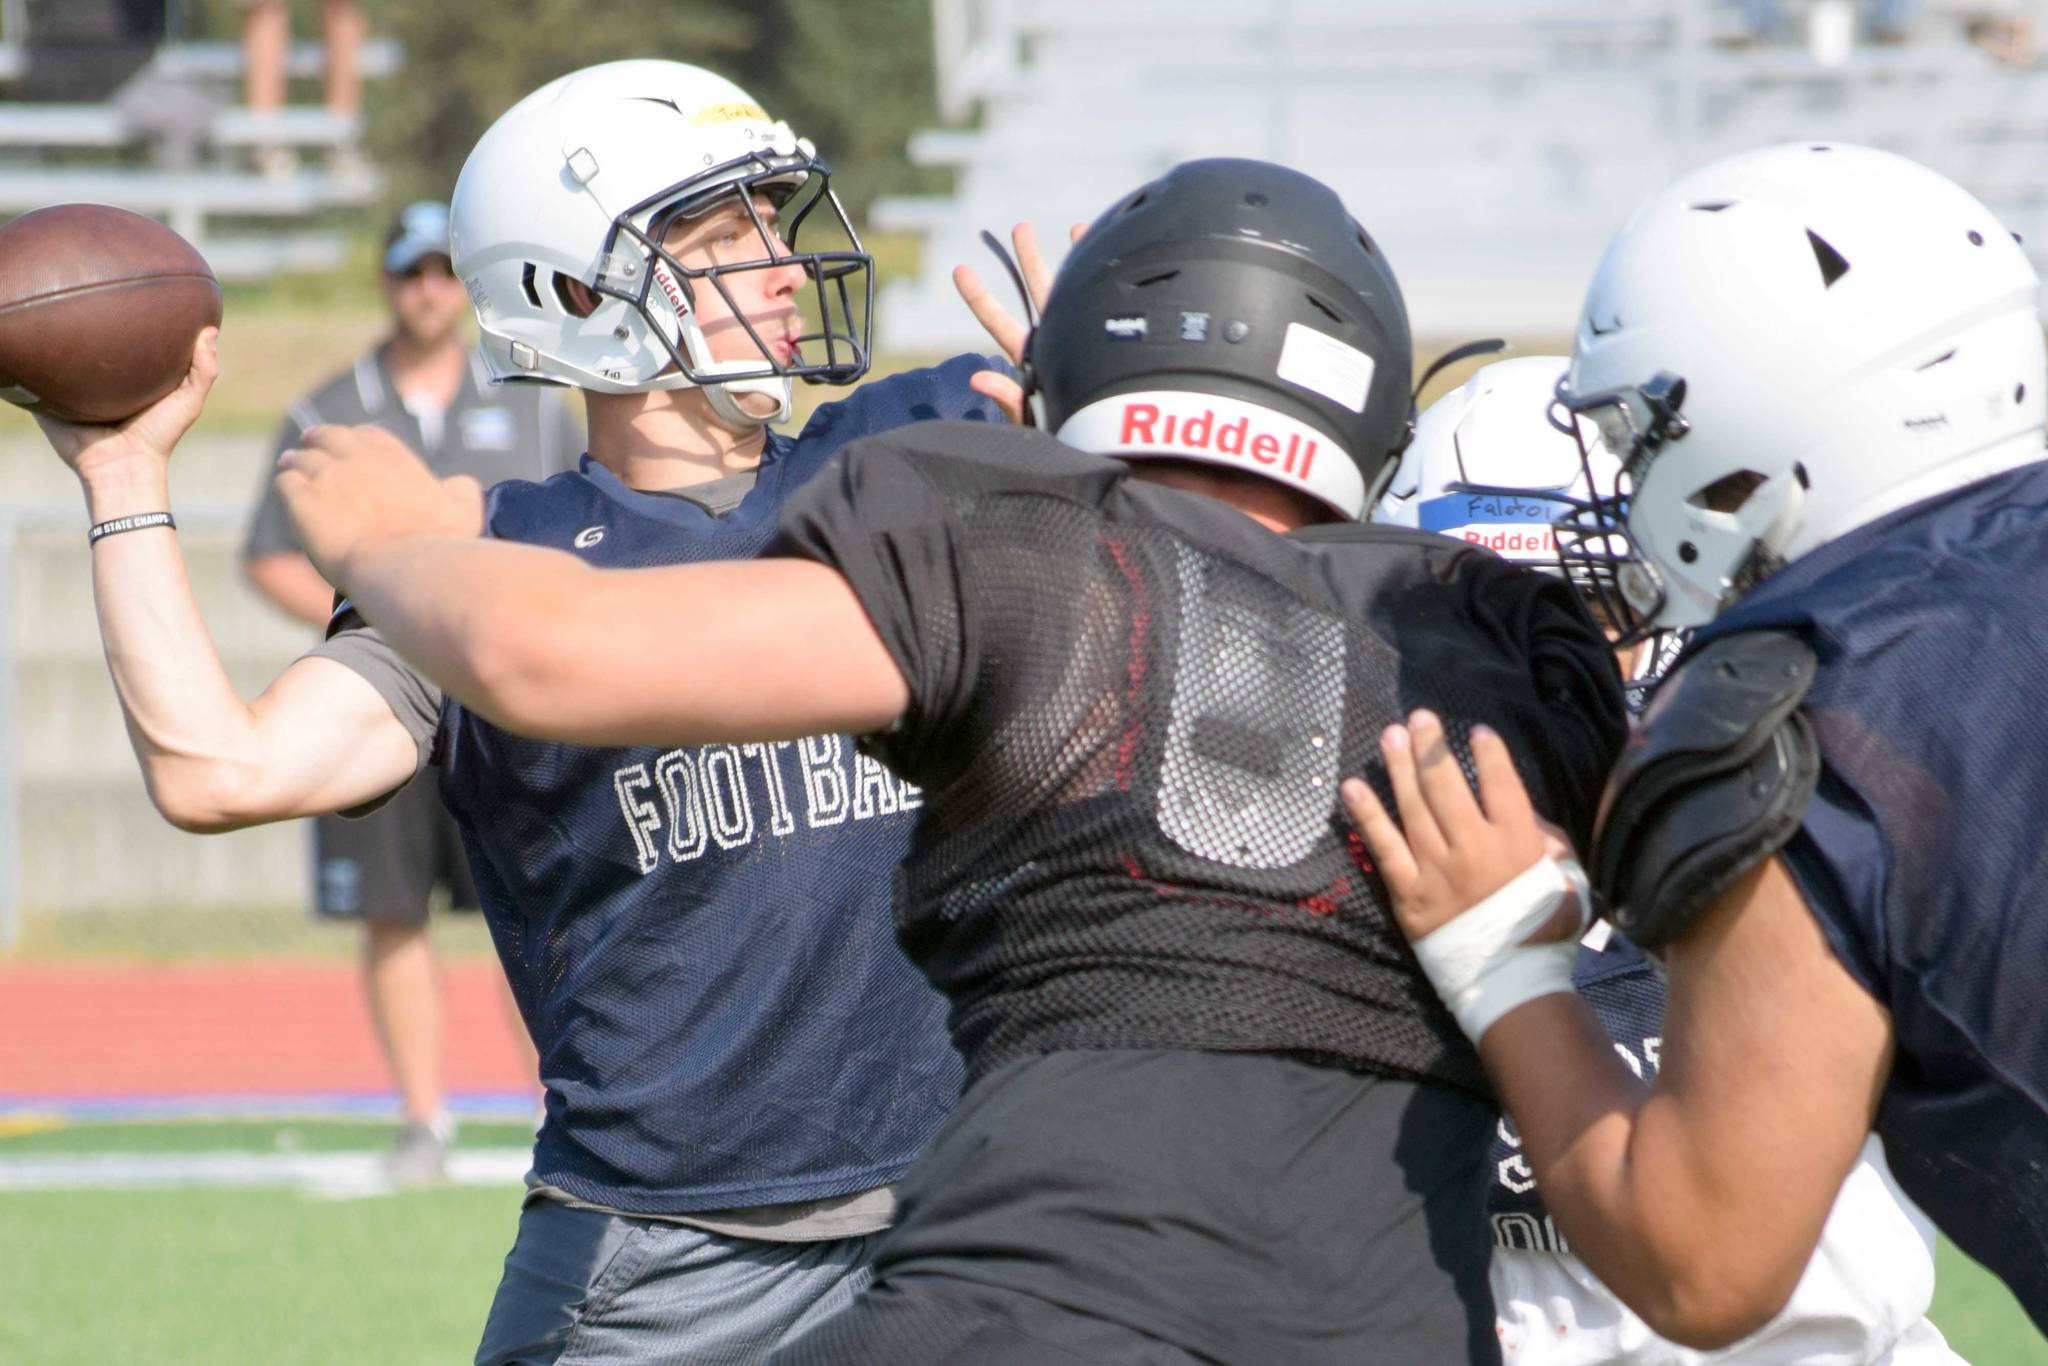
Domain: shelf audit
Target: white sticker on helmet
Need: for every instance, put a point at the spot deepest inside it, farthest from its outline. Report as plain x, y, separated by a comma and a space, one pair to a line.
1321, 364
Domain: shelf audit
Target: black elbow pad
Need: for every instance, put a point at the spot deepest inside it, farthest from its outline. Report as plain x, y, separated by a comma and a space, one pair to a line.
1713, 782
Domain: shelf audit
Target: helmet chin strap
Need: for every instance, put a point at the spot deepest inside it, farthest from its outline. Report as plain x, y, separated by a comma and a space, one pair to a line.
725, 399
724, 396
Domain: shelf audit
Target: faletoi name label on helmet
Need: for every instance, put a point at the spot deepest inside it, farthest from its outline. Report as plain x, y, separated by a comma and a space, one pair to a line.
1513, 525
1218, 431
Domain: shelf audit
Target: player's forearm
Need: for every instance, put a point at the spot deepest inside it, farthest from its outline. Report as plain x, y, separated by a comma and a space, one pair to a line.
494, 623
1621, 1182
544, 645
192, 735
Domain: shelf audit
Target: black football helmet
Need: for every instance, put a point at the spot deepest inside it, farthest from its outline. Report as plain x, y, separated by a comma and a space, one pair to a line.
1231, 312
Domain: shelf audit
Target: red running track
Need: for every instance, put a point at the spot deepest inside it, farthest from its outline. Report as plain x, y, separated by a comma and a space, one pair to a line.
100, 1030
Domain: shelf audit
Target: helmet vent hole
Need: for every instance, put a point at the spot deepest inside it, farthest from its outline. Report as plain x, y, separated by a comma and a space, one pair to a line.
1976, 238
526, 283
1832, 264
1799, 473
1257, 200
1324, 309
2019, 394
1158, 278
1711, 205
1729, 492
1137, 201
1942, 359
1366, 242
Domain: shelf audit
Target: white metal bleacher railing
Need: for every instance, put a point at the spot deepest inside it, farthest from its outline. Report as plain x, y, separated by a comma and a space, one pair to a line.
1491, 145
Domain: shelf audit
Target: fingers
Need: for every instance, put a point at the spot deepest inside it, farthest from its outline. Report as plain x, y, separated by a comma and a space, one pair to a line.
1390, 852
1001, 390
1397, 750
306, 461
1500, 786
1442, 782
1031, 262
205, 367
1075, 233
1006, 331
344, 442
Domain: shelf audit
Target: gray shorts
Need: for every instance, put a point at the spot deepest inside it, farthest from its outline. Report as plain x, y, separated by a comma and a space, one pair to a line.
583, 1288
388, 865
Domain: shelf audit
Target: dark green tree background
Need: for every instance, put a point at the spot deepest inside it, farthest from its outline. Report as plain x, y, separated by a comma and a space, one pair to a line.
855, 76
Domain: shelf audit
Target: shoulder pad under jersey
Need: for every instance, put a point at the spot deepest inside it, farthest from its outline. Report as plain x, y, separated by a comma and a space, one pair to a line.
1712, 782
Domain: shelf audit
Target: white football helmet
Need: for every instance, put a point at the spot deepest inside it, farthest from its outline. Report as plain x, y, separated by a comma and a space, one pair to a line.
1789, 344
1495, 462
581, 180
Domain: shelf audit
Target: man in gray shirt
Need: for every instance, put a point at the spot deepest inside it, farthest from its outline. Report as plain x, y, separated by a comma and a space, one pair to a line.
426, 385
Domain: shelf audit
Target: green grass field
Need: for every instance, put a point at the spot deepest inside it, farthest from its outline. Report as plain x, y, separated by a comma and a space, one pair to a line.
170, 1277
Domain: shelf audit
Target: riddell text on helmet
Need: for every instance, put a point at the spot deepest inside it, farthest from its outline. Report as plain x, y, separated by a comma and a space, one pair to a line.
1511, 540
1144, 425
1220, 430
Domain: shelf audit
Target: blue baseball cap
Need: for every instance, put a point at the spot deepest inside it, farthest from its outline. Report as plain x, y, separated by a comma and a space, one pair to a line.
419, 231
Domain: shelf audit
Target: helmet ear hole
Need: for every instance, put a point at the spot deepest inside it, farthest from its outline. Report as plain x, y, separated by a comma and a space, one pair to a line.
1729, 492
578, 300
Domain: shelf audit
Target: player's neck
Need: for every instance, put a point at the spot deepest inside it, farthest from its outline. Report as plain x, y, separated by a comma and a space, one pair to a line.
669, 439
431, 369
1272, 506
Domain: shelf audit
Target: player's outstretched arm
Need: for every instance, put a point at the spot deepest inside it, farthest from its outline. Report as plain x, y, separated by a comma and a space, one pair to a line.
320, 739
1698, 1200
542, 644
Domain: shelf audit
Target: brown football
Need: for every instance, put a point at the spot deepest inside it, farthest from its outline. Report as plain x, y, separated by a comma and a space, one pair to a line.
98, 311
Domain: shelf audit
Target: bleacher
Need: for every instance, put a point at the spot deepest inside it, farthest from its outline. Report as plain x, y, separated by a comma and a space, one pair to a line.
174, 141
1490, 145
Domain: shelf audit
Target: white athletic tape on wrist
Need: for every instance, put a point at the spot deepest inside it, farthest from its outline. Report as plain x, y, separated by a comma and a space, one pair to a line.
1478, 962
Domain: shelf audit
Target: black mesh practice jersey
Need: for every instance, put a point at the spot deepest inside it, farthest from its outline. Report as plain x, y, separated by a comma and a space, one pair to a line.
1130, 710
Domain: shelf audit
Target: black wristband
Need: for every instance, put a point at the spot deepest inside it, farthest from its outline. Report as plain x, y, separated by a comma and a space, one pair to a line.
141, 521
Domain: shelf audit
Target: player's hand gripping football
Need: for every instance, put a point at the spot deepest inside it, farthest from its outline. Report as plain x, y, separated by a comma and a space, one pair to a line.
143, 443
1002, 325
350, 489
1451, 850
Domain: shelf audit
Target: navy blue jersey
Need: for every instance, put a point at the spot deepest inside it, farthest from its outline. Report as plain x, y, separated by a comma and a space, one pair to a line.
1923, 855
699, 939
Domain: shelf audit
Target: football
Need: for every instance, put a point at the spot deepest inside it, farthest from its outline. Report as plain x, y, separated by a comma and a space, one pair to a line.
98, 311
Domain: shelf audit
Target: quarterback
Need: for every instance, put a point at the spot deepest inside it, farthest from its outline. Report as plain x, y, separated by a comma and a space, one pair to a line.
738, 1061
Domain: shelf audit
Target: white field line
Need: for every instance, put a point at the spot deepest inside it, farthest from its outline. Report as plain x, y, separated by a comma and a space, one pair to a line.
337, 1176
